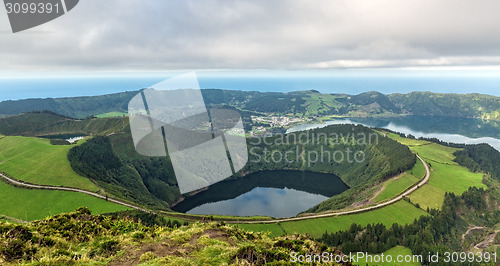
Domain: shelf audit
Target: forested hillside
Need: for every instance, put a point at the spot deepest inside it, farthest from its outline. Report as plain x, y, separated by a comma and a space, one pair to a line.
480, 158
440, 104
302, 103
321, 150
113, 163
48, 123
77, 107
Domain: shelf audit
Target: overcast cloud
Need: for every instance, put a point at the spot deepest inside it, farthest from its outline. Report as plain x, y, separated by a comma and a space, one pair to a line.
289, 34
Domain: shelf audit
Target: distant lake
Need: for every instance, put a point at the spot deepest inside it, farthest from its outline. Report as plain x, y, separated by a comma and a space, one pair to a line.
269, 193
449, 129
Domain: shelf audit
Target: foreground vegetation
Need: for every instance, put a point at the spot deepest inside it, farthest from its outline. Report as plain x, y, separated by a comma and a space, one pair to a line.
80, 237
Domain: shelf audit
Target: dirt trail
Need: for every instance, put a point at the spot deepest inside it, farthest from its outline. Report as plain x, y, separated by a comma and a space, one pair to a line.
22, 184
471, 229
488, 240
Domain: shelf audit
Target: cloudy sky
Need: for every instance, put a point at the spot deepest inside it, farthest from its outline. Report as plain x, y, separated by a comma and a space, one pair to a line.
139, 35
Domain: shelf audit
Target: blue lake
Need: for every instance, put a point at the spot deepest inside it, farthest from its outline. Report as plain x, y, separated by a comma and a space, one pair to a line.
280, 193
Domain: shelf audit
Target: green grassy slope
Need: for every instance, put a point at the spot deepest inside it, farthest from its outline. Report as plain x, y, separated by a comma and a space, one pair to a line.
407, 141
401, 212
112, 114
418, 169
36, 161
436, 153
393, 187
445, 178
446, 174
31, 204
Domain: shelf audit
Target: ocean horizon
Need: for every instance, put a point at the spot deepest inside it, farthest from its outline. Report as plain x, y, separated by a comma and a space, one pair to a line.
24, 88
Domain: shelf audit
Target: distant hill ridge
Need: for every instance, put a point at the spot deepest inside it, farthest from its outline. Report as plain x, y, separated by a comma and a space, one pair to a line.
304, 103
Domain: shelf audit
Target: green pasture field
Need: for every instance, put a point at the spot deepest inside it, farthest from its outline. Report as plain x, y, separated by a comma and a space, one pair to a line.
36, 161
407, 141
454, 178
418, 170
393, 187
400, 212
428, 196
317, 103
445, 178
34, 204
436, 153
111, 114
446, 175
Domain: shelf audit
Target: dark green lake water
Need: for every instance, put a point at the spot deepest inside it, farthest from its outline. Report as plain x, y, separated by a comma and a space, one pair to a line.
270, 193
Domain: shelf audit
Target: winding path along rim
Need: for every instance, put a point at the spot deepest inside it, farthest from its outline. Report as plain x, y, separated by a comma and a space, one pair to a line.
330, 214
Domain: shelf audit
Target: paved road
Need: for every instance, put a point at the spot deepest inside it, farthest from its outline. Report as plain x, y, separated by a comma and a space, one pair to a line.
330, 214
377, 206
22, 184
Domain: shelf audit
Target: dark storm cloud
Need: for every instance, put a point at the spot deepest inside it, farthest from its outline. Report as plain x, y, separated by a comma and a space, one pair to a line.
149, 35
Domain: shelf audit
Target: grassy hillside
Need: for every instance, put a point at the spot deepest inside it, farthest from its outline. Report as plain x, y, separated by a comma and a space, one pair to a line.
32, 204
401, 212
36, 161
395, 186
446, 174
449, 178
81, 238
445, 178
400, 183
